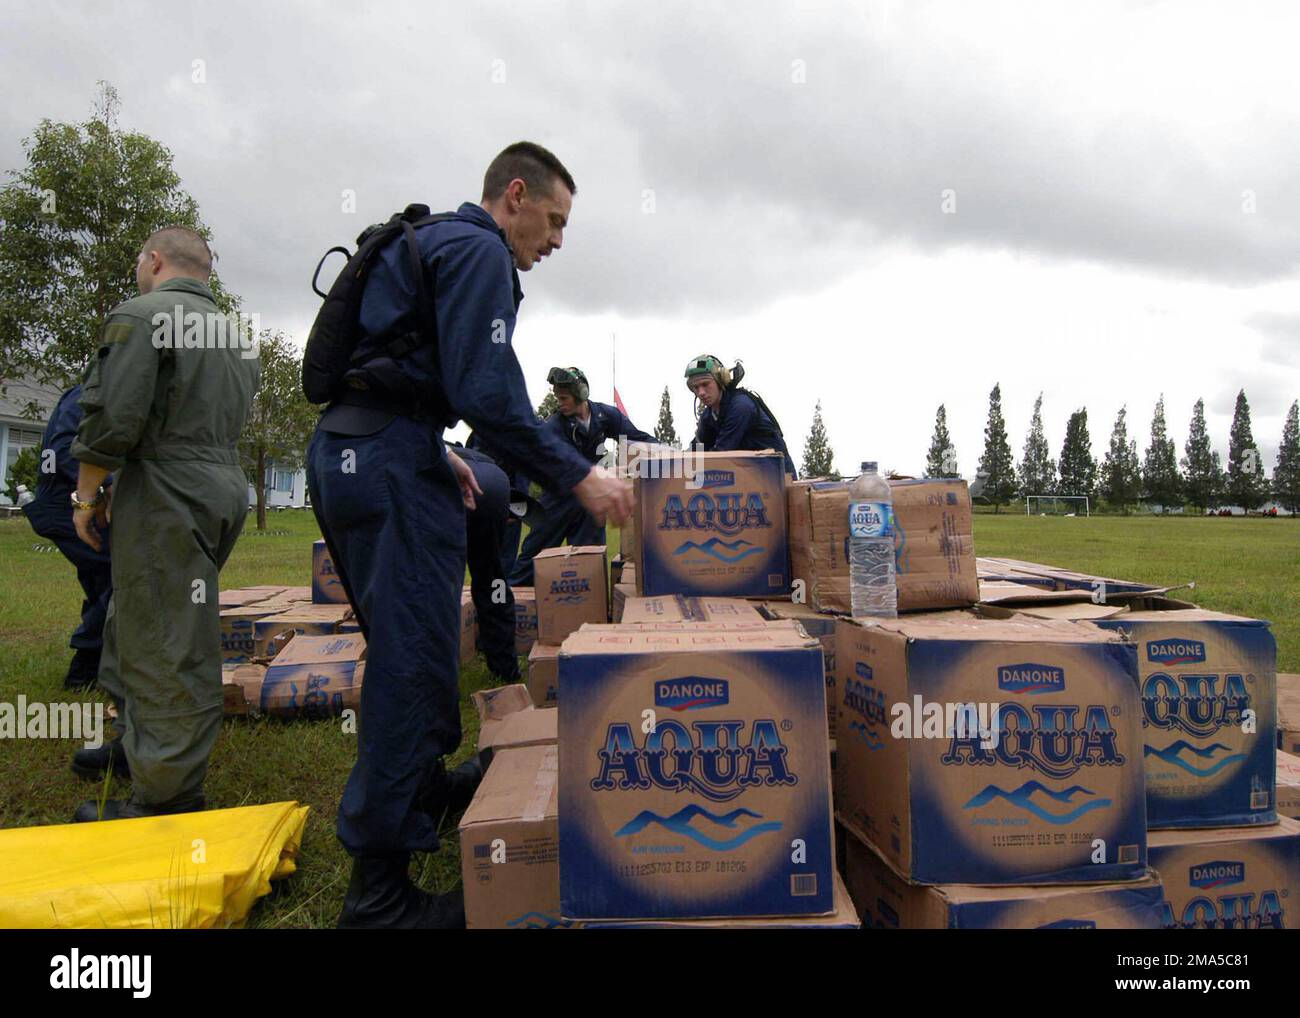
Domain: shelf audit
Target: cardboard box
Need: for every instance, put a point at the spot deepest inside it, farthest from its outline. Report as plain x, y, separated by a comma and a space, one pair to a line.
508, 719
1236, 878
1057, 578
689, 609
571, 589
703, 631
1288, 712
315, 676
722, 808
934, 555
238, 643
1209, 763
509, 844
310, 620
544, 675
468, 627
618, 601
525, 619
1288, 785
719, 532
326, 587
246, 595
843, 916
1050, 763
886, 901
820, 627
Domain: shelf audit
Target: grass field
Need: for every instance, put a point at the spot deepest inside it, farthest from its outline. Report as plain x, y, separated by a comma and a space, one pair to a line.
1246, 566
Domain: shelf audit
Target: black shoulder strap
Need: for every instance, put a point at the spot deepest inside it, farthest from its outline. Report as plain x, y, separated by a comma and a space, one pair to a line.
405, 343
762, 406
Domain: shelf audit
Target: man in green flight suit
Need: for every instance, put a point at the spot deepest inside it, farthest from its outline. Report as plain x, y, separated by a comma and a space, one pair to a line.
165, 400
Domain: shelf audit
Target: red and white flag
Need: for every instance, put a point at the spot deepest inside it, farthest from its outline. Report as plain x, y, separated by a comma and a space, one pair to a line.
618, 402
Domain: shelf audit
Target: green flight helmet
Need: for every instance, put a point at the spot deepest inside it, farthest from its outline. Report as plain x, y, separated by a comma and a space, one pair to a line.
572, 379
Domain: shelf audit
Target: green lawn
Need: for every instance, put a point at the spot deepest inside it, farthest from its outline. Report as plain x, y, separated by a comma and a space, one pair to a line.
1247, 566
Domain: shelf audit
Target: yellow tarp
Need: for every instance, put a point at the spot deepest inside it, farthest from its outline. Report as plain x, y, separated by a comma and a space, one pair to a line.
191, 870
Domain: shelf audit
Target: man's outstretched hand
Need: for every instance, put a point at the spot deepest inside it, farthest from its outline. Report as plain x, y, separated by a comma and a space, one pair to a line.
465, 476
606, 497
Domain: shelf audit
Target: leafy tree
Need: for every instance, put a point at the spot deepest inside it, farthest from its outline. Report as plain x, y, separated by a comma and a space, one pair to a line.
1161, 481
72, 223
1037, 469
280, 421
665, 430
941, 460
25, 469
548, 406
1121, 477
996, 463
1078, 468
818, 459
1247, 486
1202, 474
1286, 474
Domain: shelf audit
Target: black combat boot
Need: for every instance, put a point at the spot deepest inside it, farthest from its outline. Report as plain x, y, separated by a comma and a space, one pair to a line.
83, 672
128, 809
382, 896
92, 763
446, 796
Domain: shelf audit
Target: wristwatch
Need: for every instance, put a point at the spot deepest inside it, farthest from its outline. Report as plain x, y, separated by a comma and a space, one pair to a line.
77, 503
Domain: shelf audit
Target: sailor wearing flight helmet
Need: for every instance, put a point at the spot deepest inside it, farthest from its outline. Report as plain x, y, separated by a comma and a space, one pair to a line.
731, 418
585, 425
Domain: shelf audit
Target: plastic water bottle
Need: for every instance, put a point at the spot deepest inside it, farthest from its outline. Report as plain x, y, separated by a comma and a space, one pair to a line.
873, 592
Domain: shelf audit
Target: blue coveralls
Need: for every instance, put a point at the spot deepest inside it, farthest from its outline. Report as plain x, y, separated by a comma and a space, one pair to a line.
391, 513
740, 425
50, 514
562, 517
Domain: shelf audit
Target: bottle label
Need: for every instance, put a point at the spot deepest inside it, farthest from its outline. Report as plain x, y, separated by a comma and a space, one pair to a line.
871, 519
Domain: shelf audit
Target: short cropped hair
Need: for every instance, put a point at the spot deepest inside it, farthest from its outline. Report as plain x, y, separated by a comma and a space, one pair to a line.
535, 166
183, 248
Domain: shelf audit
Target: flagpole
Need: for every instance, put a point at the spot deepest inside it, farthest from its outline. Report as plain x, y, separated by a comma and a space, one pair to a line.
613, 360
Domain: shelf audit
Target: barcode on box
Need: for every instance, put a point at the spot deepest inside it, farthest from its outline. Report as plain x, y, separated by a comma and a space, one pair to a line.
803, 885
1260, 799
775, 580
1128, 854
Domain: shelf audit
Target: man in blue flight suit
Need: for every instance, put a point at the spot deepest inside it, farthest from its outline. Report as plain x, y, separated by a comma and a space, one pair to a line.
731, 418
494, 602
50, 515
584, 425
390, 500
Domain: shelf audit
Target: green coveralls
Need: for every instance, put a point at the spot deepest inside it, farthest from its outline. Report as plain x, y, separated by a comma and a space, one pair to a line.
167, 420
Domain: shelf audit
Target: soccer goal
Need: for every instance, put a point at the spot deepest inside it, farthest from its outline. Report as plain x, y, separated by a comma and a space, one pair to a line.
1056, 505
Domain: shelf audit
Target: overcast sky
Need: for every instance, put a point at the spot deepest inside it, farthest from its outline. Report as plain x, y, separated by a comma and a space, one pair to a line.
883, 206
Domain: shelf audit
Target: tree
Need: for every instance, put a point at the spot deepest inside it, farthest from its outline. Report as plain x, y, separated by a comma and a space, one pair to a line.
72, 224
1202, 475
1286, 474
1078, 468
1121, 478
548, 406
1037, 469
280, 421
996, 463
818, 458
941, 460
25, 469
665, 430
1247, 486
1161, 482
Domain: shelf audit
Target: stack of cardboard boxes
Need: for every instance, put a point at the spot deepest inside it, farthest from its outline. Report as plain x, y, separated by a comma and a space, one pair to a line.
1000, 751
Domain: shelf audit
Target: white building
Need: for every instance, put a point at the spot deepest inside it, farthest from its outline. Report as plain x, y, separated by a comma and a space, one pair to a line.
18, 432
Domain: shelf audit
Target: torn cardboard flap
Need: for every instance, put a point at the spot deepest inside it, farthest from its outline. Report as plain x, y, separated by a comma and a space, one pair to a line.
625, 639
533, 726
495, 704
520, 785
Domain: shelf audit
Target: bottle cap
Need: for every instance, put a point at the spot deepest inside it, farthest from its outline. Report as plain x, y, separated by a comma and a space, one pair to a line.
868, 466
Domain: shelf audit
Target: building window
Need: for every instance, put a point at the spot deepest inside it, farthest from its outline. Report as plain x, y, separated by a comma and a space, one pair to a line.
19, 439
283, 481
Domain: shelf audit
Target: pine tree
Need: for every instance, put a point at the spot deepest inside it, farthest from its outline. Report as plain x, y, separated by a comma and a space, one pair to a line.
665, 431
818, 459
1078, 468
996, 463
1121, 480
941, 460
1161, 482
1037, 469
1286, 474
1247, 485
1202, 476
548, 406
